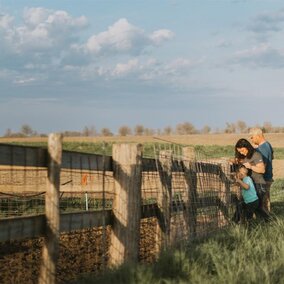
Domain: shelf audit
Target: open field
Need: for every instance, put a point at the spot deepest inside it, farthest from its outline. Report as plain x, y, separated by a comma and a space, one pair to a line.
276, 139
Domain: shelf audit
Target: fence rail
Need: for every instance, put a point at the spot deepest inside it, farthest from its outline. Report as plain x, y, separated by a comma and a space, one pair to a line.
34, 226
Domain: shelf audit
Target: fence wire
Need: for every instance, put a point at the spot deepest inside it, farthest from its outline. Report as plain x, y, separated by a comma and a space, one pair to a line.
22, 194
198, 191
79, 191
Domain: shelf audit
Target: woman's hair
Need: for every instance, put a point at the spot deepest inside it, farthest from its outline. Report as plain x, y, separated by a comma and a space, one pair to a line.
244, 143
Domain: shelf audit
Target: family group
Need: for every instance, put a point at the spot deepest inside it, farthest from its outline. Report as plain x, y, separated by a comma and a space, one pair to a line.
254, 175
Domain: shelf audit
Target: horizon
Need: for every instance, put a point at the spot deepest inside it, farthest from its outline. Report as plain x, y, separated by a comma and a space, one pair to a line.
186, 128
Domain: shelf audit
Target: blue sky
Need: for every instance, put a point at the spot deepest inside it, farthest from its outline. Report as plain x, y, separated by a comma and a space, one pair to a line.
69, 64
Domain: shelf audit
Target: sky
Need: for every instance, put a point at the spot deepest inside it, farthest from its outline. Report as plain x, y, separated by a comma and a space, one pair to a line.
67, 64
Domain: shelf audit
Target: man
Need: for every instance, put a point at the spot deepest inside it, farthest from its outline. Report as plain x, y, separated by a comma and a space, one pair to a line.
266, 150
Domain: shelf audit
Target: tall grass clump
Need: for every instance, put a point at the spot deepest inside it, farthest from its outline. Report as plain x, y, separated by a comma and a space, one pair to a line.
236, 255
241, 255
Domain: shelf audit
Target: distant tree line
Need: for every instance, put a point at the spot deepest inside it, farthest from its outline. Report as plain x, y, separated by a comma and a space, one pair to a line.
185, 128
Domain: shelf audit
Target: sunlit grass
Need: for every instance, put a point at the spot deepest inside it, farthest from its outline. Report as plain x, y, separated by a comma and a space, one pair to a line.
235, 255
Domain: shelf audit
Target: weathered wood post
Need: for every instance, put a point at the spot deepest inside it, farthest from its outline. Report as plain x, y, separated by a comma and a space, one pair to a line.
51, 240
224, 192
164, 200
127, 171
191, 180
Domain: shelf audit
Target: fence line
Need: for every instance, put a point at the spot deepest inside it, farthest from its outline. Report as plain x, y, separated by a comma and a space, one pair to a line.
155, 202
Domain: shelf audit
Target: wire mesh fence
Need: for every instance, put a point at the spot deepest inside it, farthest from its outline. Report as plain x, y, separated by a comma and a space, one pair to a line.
23, 187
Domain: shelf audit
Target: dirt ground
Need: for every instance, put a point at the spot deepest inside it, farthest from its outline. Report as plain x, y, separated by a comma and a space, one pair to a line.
80, 252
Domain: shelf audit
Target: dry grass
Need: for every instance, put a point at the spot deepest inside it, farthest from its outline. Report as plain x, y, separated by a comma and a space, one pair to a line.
276, 139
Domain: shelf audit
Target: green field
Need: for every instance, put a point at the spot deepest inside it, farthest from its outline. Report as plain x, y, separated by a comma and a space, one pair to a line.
211, 151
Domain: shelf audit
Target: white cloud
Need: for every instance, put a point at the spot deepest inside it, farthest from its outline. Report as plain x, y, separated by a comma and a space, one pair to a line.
263, 56
24, 81
142, 70
47, 46
125, 68
253, 52
42, 30
49, 40
60, 19
149, 69
5, 21
35, 16
123, 37
267, 22
159, 36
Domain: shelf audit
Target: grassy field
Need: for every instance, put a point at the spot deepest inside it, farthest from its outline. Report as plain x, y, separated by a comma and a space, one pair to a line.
98, 146
211, 145
235, 255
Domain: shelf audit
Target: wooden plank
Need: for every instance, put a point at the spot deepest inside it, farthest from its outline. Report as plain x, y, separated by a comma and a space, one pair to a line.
20, 228
15, 155
83, 220
85, 161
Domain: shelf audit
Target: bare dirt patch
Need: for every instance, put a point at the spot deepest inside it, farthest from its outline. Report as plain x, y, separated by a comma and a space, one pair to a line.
278, 169
80, 251
84, 251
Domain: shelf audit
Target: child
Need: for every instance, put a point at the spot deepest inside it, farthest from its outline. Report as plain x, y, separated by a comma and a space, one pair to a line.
249, 194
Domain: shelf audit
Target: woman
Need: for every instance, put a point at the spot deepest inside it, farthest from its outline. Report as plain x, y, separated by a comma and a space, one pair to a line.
246, 155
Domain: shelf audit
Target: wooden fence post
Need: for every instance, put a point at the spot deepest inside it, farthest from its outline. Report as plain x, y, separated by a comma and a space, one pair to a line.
164, 201
224, 193
51, 240
127, 170
191, 180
